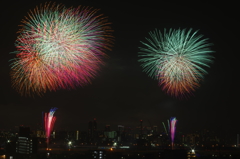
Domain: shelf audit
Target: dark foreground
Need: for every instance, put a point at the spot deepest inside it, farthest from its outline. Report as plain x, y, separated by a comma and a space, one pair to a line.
129, 154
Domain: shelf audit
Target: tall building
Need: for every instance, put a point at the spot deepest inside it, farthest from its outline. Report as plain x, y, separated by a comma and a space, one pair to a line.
92, 130
24, 146
24, 132
120, 132
120, 128
77, 135
95, 125
141, 127
155, 128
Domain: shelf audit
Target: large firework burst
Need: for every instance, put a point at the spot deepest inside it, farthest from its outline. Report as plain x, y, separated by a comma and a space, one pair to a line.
177, 59
59, 48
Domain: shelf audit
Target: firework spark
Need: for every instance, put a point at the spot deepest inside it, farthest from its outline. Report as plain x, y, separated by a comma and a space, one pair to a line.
176, 59
49, 120
59, 48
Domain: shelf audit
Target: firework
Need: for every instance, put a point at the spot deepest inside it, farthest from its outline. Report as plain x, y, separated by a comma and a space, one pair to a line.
49, 120
173, 122
59, 48
176, 59
165, 128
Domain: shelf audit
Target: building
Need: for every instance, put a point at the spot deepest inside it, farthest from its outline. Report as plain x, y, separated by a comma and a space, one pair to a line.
110, 134
141, 128
120, 134
120, 128
92, 131
24, 146
39, 134
77, 135
107, 128
94, 125
24, 132
155, 129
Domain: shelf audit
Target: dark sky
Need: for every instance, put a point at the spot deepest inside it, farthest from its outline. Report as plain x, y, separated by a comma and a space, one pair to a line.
122, 93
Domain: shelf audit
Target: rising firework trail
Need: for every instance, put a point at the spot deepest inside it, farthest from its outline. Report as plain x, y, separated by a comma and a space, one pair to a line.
165, 128
49, 121
173, 122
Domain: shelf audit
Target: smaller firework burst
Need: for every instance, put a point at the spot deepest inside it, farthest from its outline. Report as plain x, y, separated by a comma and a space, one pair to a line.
176, 59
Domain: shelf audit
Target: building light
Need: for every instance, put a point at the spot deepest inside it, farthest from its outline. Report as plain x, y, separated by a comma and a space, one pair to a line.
54, 134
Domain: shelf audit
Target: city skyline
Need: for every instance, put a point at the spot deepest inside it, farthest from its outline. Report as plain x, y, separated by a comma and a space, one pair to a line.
122, 94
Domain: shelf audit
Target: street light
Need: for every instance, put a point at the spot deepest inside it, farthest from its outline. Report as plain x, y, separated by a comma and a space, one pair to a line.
69, 143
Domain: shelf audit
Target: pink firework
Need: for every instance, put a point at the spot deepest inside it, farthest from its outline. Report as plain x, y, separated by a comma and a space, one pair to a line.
173, 122
59, 48
49, 120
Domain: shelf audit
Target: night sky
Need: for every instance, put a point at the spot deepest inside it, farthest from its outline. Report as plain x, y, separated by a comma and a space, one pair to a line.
122, 93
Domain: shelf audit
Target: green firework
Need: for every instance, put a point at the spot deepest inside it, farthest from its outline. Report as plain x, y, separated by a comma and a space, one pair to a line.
176, 59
